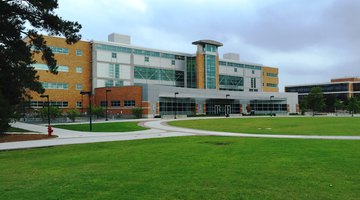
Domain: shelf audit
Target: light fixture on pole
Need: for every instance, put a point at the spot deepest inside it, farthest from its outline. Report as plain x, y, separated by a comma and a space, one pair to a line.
176, 93
226, 108
90, 111
106, 111
48, 112
271, 105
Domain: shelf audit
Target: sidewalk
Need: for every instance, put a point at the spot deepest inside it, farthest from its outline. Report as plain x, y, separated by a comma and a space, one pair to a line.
66, 137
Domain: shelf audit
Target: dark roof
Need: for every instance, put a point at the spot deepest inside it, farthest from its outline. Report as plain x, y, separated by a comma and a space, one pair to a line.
212, 42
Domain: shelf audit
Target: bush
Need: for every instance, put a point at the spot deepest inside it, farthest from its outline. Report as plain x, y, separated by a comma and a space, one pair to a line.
72, 114
97, 111
54, 112
137, 112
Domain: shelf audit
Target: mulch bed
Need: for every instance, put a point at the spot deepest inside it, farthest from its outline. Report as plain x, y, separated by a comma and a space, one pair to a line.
9, 137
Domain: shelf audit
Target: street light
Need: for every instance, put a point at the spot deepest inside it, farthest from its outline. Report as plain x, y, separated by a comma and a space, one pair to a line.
272, 107
48, 112
176, 93
226, 111
106, 112
89, 94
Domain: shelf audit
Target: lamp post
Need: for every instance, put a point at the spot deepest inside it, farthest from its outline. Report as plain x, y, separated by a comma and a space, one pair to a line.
272, 107
226, 111
106, 110
176, 93
90, 111
48, 112
48, 105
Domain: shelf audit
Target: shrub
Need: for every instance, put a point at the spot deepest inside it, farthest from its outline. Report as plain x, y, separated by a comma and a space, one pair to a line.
54, 112
72, 114
137, 112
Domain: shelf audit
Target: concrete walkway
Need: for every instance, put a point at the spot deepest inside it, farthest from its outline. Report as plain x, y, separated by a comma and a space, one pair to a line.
158, 129
162, 125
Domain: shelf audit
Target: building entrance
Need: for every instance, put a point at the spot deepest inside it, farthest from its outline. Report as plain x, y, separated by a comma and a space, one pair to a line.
222, 106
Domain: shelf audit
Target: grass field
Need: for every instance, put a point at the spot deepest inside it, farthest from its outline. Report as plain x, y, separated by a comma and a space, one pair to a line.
104, 127
13, 129
278, 125
185, 168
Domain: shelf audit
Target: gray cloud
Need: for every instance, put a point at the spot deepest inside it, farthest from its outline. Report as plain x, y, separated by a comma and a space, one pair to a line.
307, 40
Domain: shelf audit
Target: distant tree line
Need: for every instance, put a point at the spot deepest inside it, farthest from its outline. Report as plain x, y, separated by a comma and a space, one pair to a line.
316, 102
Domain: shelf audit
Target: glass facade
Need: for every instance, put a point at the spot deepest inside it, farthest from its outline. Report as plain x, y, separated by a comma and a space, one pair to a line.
191, 72
183, 106
241, 65
234, 83
210, 48
335, 87
159, 74
222, 106
210, 71
267, 106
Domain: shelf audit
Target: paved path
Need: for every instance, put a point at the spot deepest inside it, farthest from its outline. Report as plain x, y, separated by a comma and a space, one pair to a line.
158, 129
161, 125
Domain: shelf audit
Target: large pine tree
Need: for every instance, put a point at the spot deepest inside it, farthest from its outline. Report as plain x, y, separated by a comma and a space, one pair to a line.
20, 24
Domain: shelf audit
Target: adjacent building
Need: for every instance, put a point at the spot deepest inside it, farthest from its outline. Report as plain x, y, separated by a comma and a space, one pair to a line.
122, 76
339, 88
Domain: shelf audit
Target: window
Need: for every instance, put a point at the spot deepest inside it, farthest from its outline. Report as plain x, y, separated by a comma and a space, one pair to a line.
253, 71
60, 86
78, 69
129, 103
59, 50
78, 52
78, 86
253, 82
271, 85
235, 69
59, 104
113, 55
103, 103
111, 70
172, 62
115, 103
147, 59
109, 83
79, 104
272, 75
117, 71
39, 66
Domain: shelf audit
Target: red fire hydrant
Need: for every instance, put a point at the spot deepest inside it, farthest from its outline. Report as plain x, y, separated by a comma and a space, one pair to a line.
50, 130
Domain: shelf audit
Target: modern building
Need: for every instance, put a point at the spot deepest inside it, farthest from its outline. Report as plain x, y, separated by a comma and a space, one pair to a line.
340, 88
123, 76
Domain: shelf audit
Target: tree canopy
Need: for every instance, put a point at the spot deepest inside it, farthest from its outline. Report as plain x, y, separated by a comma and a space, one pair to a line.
315, 99
21, 25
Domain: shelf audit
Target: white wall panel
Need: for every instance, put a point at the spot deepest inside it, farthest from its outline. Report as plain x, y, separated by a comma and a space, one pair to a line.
125, 72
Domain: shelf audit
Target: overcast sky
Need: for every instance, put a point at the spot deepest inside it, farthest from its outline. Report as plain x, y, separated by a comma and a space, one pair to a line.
310, 41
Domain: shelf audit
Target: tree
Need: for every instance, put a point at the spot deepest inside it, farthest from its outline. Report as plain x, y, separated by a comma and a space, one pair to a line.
353, 105
53, 110
98, 111
303, 105
20, 22
72, 114
315, 99
338, 105
137, 112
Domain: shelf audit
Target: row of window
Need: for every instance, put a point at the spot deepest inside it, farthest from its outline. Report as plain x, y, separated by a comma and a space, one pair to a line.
127, 103
272, 75
271, 85
247, 66
157, 74
40, 104
61, 68
59, 86
137, 51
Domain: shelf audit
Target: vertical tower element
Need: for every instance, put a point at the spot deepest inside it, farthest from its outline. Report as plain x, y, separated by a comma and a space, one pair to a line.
207, 64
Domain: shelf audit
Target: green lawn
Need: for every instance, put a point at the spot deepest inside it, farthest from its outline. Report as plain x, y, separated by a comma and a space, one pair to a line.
185, 168
278, 125
104, 127
13, 129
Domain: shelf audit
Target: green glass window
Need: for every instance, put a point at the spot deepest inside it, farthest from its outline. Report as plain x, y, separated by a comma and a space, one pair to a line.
210, 72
